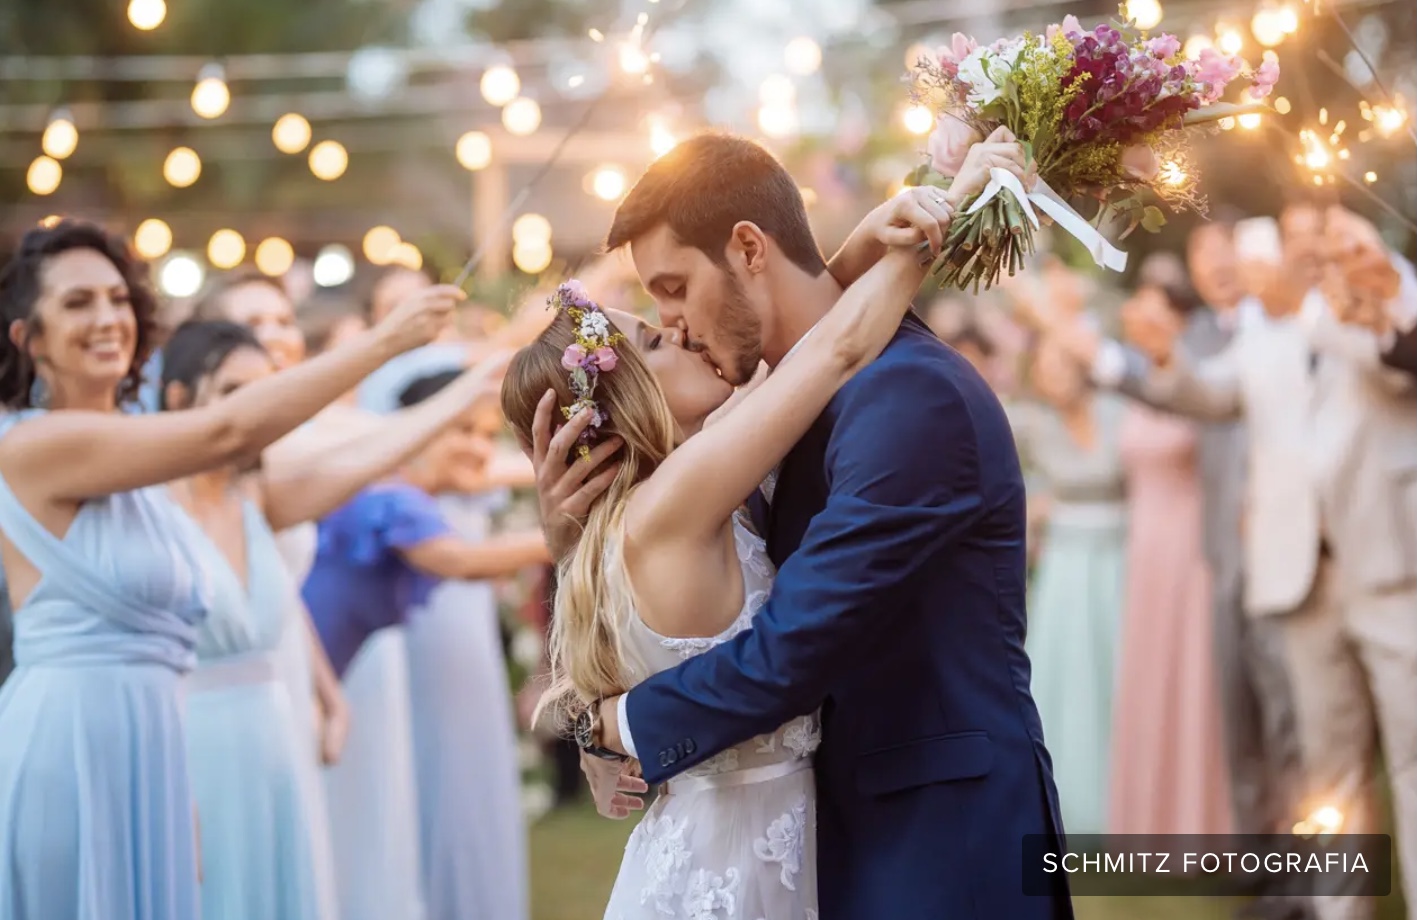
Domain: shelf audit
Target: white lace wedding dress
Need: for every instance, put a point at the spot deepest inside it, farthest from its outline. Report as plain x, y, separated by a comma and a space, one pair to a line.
735, 837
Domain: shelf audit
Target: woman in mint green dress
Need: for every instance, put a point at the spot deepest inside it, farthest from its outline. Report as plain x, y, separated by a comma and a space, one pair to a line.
97, 818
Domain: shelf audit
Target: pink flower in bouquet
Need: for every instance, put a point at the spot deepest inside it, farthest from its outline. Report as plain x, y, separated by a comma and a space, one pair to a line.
950, 142
1140, 162
1266, 76
958, 49
572, 357
1069, 27
1164, 46
605, 359
1215, 71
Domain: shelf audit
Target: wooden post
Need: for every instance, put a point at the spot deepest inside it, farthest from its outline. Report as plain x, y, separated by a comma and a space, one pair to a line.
490, 197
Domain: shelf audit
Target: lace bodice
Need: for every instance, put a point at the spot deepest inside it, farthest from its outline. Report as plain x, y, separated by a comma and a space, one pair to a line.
648, 653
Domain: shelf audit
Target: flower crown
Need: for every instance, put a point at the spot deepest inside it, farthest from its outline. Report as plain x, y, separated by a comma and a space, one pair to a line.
589, 356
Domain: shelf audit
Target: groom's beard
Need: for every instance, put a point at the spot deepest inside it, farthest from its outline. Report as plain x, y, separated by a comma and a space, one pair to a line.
740, 332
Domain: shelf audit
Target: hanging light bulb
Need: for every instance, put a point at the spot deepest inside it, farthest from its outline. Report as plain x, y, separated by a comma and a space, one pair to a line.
532, 258
328, 160
146, 15
1230, 41
1267, 27
803, 56
333, 266
474, 150
182, 167
226, 249
500, 85
531, 228
1282, 105
1194, 45
60, 135
380, 243
1145, 13
210, 96
181, 276
522, 116
1250, 120
406, 254
44, 175
274, 256
607, 183
152, 239
778, 120
661, 139
291, 133
918, 119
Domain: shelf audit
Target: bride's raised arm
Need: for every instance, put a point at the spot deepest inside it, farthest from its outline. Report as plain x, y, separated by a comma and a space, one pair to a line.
714, 471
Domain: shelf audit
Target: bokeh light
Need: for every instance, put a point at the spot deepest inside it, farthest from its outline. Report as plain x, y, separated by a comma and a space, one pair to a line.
474, 150
500, 85
328, 160
274, 256
152, 239
44, 175
182, 167
522, 116
380, 243
226, 249
291, 133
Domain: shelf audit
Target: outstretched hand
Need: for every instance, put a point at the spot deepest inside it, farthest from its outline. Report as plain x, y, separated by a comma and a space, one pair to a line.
565, 487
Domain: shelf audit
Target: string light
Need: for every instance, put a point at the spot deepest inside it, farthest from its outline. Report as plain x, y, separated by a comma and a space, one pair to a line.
49, 222
1226, 124
522, 116
918, 119
1172, 173
44, 175
226, 249
1195, 45
60, 136
661, 139
607, 183
1388, 119
532, 258
1282, 105
531, 228
777, 120
1288, 19
596, 35
802, 56
274, 256
328, 160
777, 91
291, 133
210, 97
1230, 41
380, 243
500, 85
333, 266
152, 239
146, 15
181, 276
1250, 120
1145, 13
1267, 26
474, 151
1370, 177
182, 167
633, 59
407, 255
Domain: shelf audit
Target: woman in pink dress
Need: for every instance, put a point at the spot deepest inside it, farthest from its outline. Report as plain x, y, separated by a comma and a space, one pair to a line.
1168, 770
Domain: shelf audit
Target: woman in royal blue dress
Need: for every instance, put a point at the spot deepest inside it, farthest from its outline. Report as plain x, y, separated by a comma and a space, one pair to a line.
258, 835
96, 811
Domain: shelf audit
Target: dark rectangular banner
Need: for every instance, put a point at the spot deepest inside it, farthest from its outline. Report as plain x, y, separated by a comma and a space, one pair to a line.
1204, 866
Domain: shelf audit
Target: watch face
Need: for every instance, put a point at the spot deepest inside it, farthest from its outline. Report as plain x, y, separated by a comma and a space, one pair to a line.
584, 731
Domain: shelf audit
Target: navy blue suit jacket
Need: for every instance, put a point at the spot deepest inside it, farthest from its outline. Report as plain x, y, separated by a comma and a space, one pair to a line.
898, 528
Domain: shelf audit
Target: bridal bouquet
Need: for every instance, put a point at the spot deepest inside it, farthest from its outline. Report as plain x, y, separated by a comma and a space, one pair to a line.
1101, 114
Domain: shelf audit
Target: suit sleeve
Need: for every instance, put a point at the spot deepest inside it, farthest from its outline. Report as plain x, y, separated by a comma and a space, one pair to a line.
903, 467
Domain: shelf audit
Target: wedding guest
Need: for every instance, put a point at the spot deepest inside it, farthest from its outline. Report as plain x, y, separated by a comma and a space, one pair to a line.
96, 813
1069, 437
1167, 769
380, 557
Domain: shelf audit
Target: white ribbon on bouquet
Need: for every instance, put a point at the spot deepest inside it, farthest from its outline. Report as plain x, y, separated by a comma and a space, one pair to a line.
1048, 201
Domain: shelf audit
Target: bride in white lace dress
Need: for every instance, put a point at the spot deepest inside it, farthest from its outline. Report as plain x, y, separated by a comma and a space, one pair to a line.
667, 564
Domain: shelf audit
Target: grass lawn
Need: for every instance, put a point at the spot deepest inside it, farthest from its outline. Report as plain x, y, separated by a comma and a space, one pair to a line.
575, 854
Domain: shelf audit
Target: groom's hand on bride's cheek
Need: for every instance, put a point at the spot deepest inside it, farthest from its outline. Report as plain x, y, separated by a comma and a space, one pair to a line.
565, 487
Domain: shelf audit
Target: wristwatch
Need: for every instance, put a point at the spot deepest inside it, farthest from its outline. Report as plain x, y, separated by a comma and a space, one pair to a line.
589, 732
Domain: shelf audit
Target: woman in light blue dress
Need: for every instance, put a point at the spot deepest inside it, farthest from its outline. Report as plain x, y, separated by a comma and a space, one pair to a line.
1069, 439
246, 757
97, 818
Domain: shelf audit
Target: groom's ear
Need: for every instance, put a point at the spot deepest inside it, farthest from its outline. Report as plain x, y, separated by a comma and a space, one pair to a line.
751, 244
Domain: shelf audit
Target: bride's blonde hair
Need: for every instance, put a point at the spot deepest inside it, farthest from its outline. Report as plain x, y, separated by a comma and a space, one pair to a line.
592, 593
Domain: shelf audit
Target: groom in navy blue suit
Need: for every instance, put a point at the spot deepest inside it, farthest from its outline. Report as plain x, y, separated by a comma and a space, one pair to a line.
897, 525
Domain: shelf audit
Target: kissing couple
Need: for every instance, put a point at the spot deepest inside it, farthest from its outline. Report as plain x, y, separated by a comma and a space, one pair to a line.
796, 598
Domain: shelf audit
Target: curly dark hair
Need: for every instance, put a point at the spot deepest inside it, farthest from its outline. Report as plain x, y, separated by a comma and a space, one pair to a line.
20, 284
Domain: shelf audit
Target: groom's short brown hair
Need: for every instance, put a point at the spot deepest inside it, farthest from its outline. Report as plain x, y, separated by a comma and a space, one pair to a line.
706, 185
